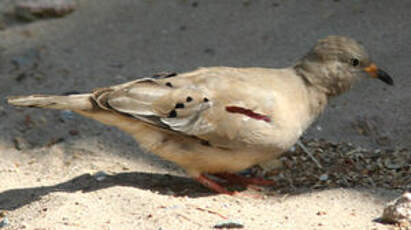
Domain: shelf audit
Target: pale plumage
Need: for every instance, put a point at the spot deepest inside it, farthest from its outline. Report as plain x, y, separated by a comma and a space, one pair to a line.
222, 119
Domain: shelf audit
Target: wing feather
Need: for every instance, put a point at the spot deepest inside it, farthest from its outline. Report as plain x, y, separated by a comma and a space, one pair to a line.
154, 101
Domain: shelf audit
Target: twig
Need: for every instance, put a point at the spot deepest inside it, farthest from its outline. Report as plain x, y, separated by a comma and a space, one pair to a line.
187, 218
211, 211
302, 146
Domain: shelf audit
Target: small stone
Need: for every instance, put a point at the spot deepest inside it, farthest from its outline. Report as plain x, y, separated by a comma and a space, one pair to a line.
4, 222
398, 210
32, 9
21, 143
100, 176
66, 115
229, 224
391, 165
324, 177
377, 151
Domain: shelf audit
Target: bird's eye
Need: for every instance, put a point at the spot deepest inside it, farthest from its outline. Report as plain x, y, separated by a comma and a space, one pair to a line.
355, 62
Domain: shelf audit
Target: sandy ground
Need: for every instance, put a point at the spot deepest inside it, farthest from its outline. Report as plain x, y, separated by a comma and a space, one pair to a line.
49, 159
60, 187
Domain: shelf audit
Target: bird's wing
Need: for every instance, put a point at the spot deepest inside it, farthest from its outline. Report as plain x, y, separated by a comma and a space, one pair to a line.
159, 102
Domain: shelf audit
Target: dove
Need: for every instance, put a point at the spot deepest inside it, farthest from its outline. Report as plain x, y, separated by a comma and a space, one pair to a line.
221, 120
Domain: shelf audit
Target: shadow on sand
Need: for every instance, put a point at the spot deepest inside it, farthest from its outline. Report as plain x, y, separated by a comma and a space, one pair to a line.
162, 183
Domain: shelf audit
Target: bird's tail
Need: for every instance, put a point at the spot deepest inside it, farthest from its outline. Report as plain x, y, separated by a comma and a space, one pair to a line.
70, 102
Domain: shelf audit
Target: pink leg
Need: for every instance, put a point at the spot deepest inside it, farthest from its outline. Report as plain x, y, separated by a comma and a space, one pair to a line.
207, 182
234, 178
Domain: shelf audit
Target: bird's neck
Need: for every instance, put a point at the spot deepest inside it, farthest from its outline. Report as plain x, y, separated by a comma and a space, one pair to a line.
328, 78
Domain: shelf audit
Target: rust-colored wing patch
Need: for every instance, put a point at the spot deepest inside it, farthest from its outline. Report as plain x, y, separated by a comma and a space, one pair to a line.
248, 112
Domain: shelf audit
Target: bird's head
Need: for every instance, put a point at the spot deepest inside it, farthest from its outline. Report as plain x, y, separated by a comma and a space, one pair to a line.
335, 62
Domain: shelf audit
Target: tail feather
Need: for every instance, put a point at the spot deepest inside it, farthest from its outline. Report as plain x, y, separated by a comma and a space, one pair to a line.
71, 102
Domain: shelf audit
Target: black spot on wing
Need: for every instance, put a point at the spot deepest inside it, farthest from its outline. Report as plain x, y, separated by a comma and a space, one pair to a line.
179, 106
172, 114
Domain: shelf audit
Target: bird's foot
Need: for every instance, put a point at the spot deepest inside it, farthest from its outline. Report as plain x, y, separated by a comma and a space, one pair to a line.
209, 183
234, 179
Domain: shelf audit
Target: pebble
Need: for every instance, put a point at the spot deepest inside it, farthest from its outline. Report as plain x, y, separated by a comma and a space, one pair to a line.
67, 115
4, 222
100, 175
324, 177
391, 165
398, 210
229, 224
32, 9
21, 143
